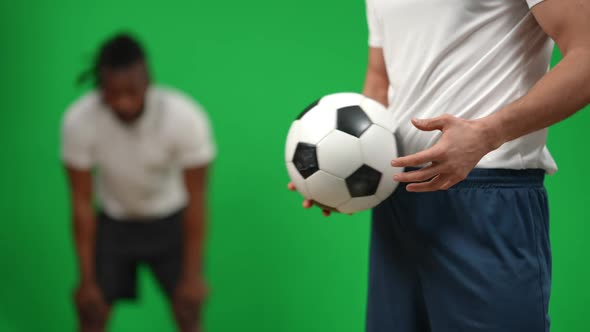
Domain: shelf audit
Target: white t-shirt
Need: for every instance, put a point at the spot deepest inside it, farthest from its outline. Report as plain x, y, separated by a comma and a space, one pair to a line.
139, 166
467, 58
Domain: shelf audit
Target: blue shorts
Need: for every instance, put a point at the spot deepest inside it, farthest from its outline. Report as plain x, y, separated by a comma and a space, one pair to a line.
473, 258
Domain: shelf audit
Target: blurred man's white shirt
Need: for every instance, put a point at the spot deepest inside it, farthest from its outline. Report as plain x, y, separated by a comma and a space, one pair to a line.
138, 166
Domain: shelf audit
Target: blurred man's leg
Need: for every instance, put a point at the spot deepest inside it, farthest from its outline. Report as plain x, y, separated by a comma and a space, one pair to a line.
116, 272
164, 256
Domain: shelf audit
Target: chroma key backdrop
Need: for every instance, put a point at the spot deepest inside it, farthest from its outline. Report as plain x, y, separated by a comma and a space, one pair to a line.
254, 65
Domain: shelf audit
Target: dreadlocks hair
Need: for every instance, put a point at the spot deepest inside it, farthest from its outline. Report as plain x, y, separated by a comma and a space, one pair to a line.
118, 52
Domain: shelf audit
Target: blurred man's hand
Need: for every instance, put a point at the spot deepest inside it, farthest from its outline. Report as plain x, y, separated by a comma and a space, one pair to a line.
91, 306
187, 302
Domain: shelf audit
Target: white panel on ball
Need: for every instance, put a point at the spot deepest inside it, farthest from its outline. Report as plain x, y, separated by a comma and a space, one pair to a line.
292, 140
316, 124
327, 189
298, 180
378, 113
339, 154
386, 186
342, 99
378, 147
359, 204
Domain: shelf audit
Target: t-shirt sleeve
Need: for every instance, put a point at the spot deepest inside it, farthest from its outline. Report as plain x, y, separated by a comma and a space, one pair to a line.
76, 141
375, 25
533, 3
195, 144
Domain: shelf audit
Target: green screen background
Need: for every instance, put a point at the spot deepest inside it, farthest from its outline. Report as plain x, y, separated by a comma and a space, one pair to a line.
253, 64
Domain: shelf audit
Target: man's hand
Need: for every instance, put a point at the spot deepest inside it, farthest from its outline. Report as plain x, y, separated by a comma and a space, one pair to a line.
462, 145
188, 299
308, 203
91, 306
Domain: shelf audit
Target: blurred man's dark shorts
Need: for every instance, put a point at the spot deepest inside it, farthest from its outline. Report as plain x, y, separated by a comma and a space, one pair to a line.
122, 245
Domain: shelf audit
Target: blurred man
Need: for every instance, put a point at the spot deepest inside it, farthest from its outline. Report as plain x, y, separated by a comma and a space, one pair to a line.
463, 244
140, 152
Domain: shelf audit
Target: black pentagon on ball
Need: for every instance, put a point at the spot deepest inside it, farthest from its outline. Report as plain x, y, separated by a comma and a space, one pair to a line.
307, 109
353, 120
305, 159
363, 182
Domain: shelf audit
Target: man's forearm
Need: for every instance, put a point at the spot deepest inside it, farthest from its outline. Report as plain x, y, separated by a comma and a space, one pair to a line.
194, 230
559, 94
84, 226
376, 80
376, 92
376, 87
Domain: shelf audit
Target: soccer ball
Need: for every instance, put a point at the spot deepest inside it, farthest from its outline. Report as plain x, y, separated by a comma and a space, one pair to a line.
339, 152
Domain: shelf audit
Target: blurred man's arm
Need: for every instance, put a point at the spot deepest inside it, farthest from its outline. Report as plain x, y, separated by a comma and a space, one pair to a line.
191, 289
194, 150
194, 221
376, 80
90, 304
84, 224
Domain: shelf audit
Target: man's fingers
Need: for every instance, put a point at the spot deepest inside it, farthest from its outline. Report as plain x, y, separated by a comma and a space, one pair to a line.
448, 184
418, 175
420, 158
432, 185
308, 203
437, 123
